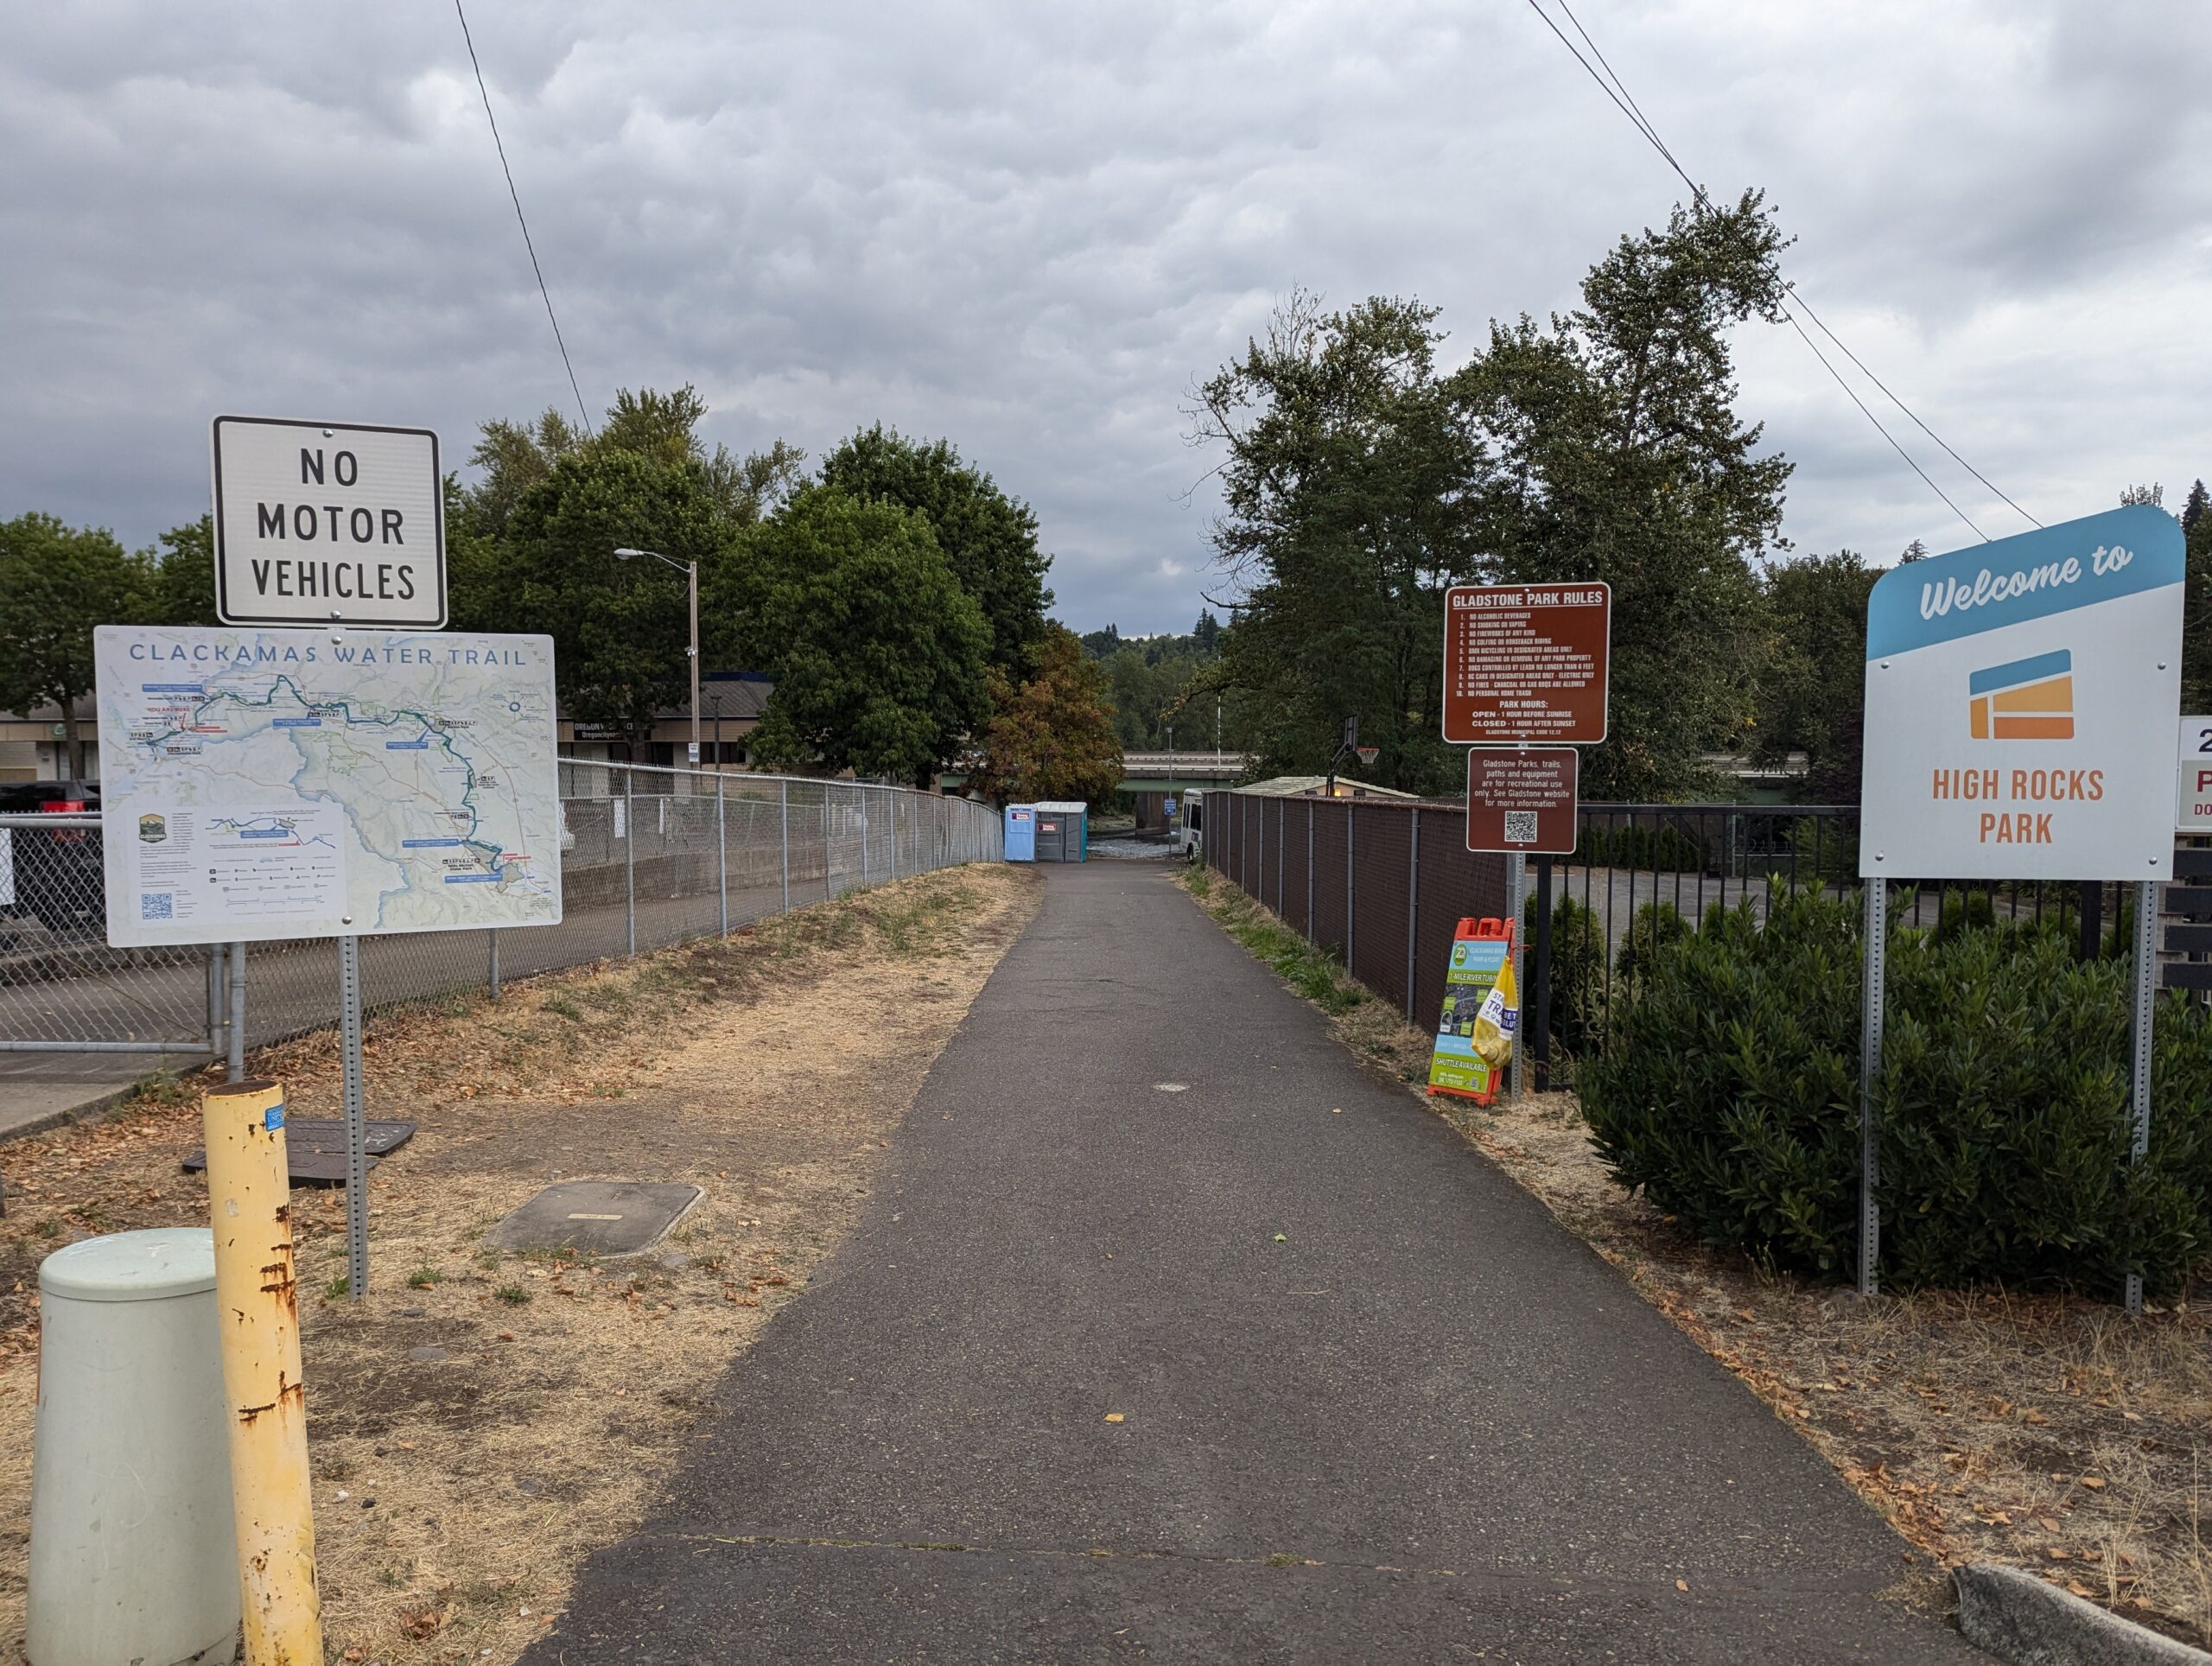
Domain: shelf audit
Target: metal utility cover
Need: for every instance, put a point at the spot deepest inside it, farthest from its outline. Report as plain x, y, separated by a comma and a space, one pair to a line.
315, 1150
595, 1217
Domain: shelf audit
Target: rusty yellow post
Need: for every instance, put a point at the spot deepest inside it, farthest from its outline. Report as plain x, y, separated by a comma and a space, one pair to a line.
249, 1198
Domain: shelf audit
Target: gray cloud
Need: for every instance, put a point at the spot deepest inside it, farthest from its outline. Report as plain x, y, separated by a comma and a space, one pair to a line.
1029, 228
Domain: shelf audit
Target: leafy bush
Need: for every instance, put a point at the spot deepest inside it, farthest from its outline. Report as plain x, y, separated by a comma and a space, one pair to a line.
1654, 927
1578, 987
1728, 1091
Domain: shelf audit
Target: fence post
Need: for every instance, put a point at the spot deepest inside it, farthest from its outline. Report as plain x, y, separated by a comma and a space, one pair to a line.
629, 863
1540, 984
237, 1071
492, 958
2145, 958
868, 832
1310, 935
783, 806
721, 845
1349, 889
1874, 1000
1413, 908
827, 893
217, 1044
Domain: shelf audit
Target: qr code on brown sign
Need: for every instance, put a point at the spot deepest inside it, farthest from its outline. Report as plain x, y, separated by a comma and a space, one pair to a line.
1520, 827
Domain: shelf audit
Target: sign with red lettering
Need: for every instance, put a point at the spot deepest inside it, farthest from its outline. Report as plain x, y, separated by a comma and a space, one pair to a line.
1526, 663
2193, 808
1521, 801
329, 524
2019, 699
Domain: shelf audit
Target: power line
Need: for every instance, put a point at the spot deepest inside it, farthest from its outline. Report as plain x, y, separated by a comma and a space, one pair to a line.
498, 145
1614, 88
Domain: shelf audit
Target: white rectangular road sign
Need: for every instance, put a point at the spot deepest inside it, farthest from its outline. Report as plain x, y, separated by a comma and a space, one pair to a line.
2193, 807
284, 783
2019, 697
329, 523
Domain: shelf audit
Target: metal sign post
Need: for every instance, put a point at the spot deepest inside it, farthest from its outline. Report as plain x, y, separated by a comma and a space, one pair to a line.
357, 1123
2145, 971
1517, 881
1872, 999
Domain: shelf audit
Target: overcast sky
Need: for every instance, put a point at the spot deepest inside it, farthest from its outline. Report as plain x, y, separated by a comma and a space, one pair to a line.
1029, 228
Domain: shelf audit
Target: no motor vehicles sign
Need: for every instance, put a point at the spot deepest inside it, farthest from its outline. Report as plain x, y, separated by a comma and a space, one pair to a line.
329, 523
2020, 701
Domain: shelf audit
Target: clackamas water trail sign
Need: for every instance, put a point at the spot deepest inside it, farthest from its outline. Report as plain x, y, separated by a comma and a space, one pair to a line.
2020, 705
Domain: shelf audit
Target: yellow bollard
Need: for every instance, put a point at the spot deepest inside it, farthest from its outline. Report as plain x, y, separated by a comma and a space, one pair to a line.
249, 1198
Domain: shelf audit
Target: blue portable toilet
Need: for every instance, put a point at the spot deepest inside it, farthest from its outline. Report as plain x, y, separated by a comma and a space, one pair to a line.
1021, 832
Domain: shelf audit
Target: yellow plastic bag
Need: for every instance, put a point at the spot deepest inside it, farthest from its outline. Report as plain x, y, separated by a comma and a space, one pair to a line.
1498, 1019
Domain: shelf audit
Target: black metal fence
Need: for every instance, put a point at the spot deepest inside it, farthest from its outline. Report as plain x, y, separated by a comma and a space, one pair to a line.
1382, 884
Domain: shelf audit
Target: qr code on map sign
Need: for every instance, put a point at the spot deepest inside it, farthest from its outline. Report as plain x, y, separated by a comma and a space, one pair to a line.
157, 905
1520, 827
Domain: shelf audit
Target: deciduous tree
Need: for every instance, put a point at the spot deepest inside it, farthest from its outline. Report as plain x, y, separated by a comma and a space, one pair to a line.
1051, 736
879, 655
57, 582
988, 537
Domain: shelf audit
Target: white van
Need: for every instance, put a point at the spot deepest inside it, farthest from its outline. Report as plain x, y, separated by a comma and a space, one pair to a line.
1190, 824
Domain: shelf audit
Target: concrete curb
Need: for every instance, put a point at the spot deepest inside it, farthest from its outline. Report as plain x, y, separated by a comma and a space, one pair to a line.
2026, 1622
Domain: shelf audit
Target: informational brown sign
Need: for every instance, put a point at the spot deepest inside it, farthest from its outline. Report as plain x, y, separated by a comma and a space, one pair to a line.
1526, 663
1521, 801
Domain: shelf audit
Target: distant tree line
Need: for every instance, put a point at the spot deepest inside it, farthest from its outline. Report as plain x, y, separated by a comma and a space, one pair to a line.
895, 594
1360, 480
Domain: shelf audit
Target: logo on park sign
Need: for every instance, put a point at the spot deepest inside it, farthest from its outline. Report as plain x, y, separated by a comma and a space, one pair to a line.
2017, 698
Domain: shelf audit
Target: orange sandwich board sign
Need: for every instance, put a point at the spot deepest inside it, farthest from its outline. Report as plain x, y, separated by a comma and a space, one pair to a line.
1526, 663
1521, 801
2019, 697
1482, 1012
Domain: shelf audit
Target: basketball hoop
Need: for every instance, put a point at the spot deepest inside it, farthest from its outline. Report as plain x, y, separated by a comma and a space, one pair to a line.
1368, 755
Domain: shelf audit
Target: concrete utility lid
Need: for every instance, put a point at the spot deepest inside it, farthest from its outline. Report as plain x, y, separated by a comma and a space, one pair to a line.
595, 1217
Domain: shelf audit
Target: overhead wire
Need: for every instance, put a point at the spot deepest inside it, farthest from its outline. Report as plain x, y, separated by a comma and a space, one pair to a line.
521, 219
1790, 302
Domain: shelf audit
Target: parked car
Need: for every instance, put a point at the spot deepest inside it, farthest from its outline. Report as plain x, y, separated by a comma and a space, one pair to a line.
52, 877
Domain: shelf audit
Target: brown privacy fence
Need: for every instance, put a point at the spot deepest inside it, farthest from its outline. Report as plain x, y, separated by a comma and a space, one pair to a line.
1382, 884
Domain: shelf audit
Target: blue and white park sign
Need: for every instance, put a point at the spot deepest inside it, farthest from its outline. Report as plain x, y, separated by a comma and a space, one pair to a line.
2021, 705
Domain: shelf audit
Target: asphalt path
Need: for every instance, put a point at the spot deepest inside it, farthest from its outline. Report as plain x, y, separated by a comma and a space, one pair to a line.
1174, 1334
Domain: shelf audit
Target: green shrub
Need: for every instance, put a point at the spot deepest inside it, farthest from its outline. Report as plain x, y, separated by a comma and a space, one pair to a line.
1578, 986
1728, 1091
1654, 927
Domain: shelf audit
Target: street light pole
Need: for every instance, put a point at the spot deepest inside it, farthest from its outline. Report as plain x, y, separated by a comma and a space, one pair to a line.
690, 571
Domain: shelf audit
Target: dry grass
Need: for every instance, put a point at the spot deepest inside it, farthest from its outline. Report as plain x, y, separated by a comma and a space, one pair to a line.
2050, 1432
481, 1421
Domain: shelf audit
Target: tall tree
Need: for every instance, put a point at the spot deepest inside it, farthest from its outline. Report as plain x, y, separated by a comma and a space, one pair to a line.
1812, 688
180, 575
2193, 506
619, 628
1052, 737
1619, 455
2196, 620
879, 655
56, 583
988, 537
512, 457
1345, 488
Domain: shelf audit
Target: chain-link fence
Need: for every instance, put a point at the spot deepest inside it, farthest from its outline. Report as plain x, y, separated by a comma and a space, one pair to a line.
649, 857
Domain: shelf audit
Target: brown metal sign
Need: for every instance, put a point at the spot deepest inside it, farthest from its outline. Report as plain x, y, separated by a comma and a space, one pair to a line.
1522, 800
1526, 663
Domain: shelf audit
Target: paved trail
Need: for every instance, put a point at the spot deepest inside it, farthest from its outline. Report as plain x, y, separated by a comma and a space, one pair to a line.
1426, 1424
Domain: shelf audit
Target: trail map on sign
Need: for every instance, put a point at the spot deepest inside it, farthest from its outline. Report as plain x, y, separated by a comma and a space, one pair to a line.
272, 784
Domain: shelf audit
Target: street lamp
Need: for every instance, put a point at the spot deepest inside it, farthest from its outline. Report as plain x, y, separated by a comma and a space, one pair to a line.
691, 570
